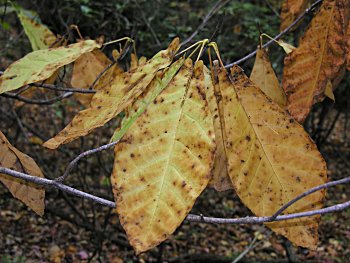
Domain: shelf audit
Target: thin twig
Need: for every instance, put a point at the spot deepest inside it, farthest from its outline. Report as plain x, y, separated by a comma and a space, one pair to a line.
296, 21
59, 88
190, 217
40, 102
216, 7
73, 163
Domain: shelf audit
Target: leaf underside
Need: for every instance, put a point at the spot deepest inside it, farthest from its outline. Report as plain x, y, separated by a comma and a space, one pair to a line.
271, 159
163, 162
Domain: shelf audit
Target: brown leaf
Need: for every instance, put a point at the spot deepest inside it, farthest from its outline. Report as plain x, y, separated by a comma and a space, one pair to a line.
220, 180
319, 59
291, 10
265, 78
30, 194
271, 159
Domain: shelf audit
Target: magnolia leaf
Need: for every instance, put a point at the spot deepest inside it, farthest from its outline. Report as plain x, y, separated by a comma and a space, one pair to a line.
41, 64
319, 58
39, 35
265, 78
291, 10
220, 180
108, 102
163, 162
271, 159
159, 83
85, 71
30, 194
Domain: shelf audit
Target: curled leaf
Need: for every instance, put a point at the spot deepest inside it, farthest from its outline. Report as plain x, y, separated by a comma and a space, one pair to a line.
271, 159
29, 193
164, 160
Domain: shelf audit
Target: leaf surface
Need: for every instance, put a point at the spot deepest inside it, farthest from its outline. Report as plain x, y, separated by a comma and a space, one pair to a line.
41, 64
119, 91
320, 58
271, 159
85, 70
291, 10
164, 160
30, 194
265, 78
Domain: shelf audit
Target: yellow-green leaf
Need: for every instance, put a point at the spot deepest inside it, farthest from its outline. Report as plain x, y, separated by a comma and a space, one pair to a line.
41, 64
271, 159
30, 194
39, 35
319, 58
118, 92
164, 160
265, 78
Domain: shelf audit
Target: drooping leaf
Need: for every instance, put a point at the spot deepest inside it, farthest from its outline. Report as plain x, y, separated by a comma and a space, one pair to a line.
119, 92
30, 194
319, 58
85, 70
157, 85
271, 159
220, 180
288, 48
39, 35
291, 10
164, 160
41, 64
265, 78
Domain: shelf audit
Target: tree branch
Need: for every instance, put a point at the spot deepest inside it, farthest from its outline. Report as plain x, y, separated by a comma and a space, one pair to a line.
191, 217
33, 101
296, 21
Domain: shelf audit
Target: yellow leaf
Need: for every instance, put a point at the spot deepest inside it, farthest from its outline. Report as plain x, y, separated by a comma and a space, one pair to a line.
319, 58
220, 180
85, 70
116, 93
288, 48
291, 10
265, 78
134, 62
329, 91
271, 159
41, 64
30, 194
163, 162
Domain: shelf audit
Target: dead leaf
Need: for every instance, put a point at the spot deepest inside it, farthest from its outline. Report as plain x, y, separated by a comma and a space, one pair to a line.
291, 10
163, 162
265, 78
319, 58
117, 93
220, 180
30, 194
271, 159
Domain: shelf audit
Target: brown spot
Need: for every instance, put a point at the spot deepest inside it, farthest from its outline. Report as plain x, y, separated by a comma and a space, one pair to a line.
183, 184
248, 138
